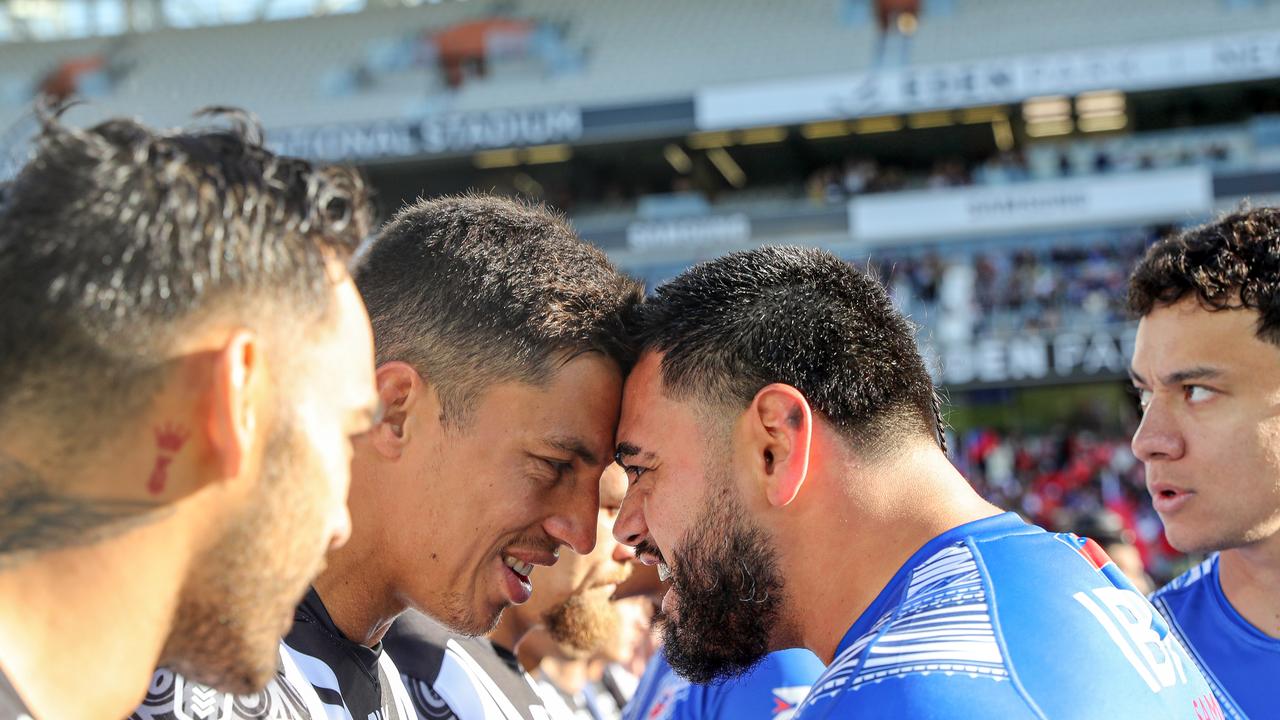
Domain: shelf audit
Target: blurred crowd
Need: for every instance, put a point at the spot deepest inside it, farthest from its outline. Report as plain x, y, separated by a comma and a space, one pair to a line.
965, 293
1072, 481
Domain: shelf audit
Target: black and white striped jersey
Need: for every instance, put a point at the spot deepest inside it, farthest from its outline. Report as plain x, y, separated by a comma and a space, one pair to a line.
454, 677
322, 676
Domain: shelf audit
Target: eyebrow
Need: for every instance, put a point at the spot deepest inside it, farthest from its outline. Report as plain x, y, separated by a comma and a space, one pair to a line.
1200, 372
626, 450
574, 446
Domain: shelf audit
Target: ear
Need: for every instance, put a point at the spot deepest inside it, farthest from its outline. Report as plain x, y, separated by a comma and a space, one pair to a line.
400, 387
780, 432
232, 417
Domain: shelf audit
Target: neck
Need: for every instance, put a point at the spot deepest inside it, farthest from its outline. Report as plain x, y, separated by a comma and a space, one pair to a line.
510, 631
1250, 578
357, 594
866, 521
107, 606
568, 675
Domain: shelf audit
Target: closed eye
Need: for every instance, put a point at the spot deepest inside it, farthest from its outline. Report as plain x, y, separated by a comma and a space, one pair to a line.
634, 472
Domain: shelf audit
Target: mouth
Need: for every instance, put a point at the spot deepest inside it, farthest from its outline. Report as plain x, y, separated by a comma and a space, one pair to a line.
647, 553
1168, 499
518, 565
523, 569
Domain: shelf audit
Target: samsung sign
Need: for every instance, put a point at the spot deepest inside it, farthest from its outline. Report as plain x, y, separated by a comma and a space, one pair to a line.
1167, 195
435, 135
689, 232
1039, 358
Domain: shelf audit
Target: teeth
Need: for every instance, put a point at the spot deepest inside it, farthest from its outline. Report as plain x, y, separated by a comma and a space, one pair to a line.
524, 569
664, 572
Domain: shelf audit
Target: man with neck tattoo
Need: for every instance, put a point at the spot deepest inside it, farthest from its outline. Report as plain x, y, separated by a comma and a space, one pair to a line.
453, 676
500, 352
1206, 365
185, 359
784, 453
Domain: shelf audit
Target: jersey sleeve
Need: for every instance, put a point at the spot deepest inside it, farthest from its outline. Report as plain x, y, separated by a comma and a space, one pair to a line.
771, 691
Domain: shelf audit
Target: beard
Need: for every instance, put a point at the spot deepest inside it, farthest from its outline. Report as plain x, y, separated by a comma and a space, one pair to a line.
238, 601
583, 624
729, 593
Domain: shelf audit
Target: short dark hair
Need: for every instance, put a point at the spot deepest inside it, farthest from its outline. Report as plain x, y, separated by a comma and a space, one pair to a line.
798, 316
115, 239
476, 289
1230, 264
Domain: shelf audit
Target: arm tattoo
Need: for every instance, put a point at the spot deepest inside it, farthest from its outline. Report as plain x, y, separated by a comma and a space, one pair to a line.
35, 517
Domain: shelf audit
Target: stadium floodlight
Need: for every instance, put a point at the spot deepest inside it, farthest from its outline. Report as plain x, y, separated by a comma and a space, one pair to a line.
489, 159
678, 158
727, 166
544, 154
882, 124
935, 119
762, 135
713, 139
828, 129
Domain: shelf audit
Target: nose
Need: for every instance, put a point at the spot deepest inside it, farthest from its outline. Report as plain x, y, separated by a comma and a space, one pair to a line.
1158, 436
630, 528
574, 523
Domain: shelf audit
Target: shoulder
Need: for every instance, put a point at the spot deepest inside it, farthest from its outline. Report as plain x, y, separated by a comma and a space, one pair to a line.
171, 696
417, 644
772, 689
955, 696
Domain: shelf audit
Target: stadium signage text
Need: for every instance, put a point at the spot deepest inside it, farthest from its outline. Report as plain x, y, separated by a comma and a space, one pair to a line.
1039, 358
1199, 61
689, 232
932, 214
435, 135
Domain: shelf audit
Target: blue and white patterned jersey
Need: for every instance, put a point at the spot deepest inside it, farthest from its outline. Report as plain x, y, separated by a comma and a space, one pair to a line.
770, 691
1001, 619
1241, 662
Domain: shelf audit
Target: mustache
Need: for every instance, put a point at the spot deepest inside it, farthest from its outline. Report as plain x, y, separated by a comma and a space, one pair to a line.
648, 547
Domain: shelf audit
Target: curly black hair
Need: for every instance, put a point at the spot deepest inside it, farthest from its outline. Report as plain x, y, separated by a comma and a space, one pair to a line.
1230, 264
117, 239
799, 316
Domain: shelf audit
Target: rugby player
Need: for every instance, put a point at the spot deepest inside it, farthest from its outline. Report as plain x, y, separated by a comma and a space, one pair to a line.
1207, 369
185, 359
449, 675
500, 356
782, 441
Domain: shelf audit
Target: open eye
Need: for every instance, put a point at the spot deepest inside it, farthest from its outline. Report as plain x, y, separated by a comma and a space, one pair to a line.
1198, 393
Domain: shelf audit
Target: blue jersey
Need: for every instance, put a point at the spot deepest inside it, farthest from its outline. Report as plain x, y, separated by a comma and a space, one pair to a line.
1000, 619
770, 691
1239, 660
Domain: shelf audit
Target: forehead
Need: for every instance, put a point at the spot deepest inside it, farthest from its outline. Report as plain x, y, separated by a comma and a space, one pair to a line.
651, 421
1185, 334
576, 410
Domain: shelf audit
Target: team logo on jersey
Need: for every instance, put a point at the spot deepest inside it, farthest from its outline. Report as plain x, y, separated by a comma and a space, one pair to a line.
787, 699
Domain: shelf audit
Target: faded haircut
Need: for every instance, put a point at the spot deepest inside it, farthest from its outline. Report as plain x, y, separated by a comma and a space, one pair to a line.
1231, 263
798, 316
117, 239
476, 290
